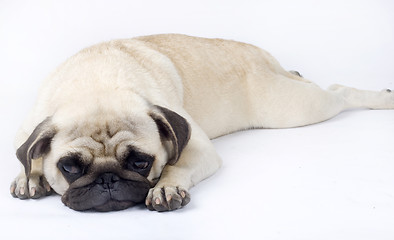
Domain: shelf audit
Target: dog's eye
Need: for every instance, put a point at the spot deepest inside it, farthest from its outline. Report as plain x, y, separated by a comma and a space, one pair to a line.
72, 169
141, 164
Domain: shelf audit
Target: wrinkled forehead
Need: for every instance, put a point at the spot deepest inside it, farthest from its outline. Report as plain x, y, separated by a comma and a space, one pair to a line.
109, 138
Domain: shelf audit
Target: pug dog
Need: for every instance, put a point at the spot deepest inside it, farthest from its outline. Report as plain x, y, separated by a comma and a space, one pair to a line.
130, 121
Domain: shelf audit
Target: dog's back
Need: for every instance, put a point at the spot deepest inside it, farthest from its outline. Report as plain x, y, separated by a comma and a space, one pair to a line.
217, 77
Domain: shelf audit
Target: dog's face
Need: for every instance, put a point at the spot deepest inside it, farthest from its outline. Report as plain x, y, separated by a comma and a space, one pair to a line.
106, 161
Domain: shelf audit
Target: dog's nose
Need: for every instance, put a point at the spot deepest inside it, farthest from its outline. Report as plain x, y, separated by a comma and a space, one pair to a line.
107, 180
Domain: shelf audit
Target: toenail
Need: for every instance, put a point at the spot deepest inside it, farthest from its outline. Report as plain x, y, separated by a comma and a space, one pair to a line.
183, 194
32, 191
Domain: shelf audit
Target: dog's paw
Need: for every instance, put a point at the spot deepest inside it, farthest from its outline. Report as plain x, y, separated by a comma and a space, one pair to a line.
19, 188
167, 198
388, 96
296, 73
34, 187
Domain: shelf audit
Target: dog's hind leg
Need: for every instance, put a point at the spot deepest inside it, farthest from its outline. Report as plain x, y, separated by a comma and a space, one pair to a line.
285, 103
356, 98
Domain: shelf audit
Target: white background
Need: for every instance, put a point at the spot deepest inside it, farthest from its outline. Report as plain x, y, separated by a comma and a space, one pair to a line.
333, 180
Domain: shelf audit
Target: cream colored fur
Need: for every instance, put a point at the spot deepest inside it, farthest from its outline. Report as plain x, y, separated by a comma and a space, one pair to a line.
219, 86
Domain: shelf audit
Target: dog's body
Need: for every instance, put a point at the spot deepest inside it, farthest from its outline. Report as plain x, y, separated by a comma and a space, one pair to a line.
131, 120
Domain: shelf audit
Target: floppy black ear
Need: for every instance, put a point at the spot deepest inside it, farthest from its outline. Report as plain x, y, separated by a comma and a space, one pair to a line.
172, 127
37, 145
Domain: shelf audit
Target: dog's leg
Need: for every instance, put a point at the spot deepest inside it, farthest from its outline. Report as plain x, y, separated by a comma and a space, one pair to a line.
284, 103
198, 161
19, 187
356, 98
36, 185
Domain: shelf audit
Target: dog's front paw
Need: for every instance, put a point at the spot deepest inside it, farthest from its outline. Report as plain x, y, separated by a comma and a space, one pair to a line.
34, 187
167, 198
19, 188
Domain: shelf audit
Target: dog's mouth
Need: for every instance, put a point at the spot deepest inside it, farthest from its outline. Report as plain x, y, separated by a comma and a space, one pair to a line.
104, 196
114, 205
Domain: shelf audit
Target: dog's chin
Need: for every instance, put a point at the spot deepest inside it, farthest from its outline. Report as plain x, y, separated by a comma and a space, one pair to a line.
113, 205
96, 197
101, 202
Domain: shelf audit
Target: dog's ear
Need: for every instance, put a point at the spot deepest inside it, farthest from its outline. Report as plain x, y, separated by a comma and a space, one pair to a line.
172, 127
37, 145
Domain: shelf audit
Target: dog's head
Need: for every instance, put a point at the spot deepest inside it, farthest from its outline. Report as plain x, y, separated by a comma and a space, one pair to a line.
105, 161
